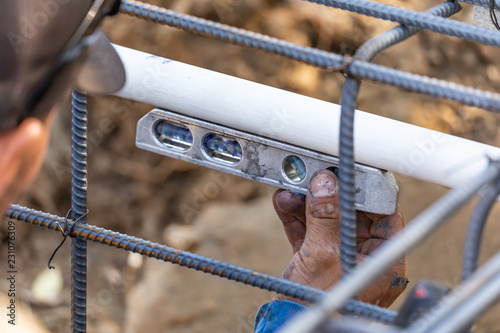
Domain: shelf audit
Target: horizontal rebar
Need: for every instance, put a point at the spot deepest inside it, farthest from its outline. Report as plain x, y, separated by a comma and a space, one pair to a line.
421, 84
412, 18
194, 261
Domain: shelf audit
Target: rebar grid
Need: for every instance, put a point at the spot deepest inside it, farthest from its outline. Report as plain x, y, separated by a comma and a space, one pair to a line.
356, 68
417, 83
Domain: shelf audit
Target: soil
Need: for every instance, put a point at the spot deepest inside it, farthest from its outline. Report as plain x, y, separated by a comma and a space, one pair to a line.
142, 194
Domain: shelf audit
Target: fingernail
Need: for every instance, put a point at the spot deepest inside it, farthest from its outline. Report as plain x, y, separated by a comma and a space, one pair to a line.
291, 195
323, 185
290, 201
282, 198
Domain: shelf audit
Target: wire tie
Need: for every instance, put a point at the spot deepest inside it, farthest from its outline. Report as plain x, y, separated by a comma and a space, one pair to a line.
66, 233
346, 62
344, 68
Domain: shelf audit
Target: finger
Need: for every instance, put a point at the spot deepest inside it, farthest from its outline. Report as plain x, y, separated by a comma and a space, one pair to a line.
374, 229
290, 208
363, 227
399, 275
384, 290
393, 281
322, 209
292, 203
386, 226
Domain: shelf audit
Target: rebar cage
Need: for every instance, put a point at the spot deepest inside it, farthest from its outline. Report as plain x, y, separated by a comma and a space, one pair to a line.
455, 311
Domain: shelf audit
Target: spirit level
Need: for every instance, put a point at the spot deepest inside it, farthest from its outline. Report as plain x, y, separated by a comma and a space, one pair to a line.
256, 158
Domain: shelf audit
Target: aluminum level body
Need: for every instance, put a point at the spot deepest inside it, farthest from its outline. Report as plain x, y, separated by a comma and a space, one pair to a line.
299, 120
261, 159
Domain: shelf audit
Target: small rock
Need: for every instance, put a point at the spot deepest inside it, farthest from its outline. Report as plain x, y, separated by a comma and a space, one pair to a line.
493, 74
135, 260
183, 237
47, 285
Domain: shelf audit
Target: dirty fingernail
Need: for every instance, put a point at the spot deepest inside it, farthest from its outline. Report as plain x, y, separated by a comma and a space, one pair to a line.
288, 195
323, 185
290, 202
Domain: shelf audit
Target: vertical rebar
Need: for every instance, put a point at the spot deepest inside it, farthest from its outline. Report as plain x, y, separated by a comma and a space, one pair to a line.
477, 222
348, 248
349, 101
79, 209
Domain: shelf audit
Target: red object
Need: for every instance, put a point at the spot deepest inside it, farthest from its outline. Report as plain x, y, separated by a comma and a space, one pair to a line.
421, 292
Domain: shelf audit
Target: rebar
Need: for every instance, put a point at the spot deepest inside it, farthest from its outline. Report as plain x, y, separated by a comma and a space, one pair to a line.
356, 68
446, 308
423, 21
228, 271
475, 229
493, 15
475, 304
347, 185
350, 92
377, 44
417, 83
79, 210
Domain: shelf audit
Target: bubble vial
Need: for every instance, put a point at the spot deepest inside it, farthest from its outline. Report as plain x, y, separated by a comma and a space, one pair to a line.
173, 135
222, 149
294, 169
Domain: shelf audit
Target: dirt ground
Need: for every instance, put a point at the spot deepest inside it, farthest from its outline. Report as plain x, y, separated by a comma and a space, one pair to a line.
228, 218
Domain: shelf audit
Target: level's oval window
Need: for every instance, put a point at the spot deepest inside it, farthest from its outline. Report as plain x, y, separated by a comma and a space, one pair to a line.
222, 149
173, 135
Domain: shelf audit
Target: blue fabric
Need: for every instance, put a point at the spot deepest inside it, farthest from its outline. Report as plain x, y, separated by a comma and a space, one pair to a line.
273, 315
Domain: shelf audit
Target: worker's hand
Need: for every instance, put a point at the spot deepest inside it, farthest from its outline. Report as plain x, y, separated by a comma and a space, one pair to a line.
312, 225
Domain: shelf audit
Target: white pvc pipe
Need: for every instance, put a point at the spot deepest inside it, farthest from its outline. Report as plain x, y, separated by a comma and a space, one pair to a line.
299, 120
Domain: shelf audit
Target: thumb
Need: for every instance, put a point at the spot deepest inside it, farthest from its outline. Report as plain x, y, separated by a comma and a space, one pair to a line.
322, 209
